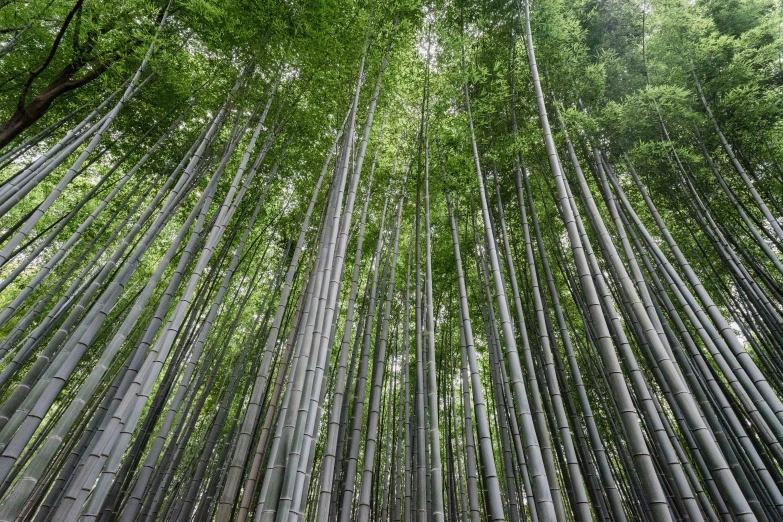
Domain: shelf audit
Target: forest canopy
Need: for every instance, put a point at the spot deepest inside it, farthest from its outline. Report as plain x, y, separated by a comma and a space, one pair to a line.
391, 260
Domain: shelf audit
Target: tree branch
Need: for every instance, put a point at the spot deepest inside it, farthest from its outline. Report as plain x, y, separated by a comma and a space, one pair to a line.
35, 73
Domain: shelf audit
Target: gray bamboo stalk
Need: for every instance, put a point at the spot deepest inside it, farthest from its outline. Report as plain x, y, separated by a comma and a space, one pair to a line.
539, 481
641, 454
43, 457
360, 393
731, 345
64, 363
74, 169
324, 343
582, 505
55, 155
605, 472
473, 513
773, 222
407, 413
673, 468
754, 406
175, 196
422, 513
287, 451
251, 413
134, 502
432, 386
470, 365
330, 447
379, 369
127, 413
12, 307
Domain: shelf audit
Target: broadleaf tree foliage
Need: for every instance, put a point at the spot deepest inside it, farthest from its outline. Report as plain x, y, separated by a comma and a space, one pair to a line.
391, 260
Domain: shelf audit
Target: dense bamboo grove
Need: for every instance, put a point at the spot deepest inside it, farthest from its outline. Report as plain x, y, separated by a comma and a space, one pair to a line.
391, 261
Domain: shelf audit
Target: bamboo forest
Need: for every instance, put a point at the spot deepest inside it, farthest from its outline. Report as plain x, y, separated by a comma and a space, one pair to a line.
391, 260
